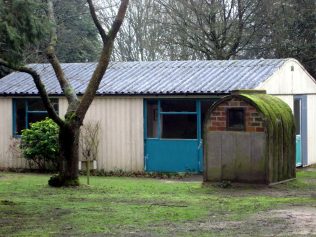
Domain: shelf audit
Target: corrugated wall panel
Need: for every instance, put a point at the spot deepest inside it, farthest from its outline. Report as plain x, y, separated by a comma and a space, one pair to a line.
121, 132
311, 129
8, 158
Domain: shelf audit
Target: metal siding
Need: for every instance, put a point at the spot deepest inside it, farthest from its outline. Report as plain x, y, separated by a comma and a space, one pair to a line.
121, 136
286, 82
311, 129
168, 77
7, 160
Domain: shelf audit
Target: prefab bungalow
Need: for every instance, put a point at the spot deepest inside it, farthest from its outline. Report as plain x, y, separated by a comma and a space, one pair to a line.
151, 114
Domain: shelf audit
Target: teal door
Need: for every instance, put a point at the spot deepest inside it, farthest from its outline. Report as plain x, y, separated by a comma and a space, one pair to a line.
173, 134
298, 151
176, 155
300, 116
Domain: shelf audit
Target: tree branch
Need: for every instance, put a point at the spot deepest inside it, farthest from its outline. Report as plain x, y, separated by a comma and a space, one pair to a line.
118, 19
97, 22
102, 63
40, 87
65, 85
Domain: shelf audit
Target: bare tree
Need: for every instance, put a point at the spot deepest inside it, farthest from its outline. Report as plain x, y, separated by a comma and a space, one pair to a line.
289, 31
215, 29
139, 34
77, 107
89, 143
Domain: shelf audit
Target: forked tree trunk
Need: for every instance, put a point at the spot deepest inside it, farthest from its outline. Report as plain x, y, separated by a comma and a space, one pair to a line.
70, 127
69, 157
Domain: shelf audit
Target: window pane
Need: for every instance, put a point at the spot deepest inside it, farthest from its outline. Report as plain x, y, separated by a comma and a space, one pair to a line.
37, 104
152, 118
178, 105
35, 117
181, 126
34, 104
19, 116
236, 119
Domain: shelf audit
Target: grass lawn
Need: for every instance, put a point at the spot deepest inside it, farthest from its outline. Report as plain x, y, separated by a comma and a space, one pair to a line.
119, 206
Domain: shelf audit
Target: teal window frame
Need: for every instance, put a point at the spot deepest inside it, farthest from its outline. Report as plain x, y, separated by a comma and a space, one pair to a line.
27, 112
197, 112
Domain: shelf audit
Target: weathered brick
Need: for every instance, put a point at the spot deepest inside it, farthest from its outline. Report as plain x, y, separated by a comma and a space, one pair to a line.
221, 128
213, 117
221, 118
219, 124
257, 119
250, 129
259, 129
235, 103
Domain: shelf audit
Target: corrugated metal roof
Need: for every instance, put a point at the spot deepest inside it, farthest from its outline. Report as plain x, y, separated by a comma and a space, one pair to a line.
146, 78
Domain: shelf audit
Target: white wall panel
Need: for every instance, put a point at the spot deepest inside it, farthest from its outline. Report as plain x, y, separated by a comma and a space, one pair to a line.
285, 81
8, 159
121, 131
311, 129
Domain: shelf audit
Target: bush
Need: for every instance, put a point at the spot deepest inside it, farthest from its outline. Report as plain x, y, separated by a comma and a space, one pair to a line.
39, 144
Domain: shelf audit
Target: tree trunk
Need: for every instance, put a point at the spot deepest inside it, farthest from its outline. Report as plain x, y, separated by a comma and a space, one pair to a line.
69, 157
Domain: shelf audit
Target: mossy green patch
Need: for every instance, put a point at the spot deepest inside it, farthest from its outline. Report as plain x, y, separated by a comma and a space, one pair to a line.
280, 135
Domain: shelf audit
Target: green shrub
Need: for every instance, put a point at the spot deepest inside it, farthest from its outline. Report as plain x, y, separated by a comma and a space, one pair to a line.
39, 144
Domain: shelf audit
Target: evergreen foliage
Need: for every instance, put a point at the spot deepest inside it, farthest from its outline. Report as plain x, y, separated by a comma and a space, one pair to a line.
22, 22
40, 145
77, 36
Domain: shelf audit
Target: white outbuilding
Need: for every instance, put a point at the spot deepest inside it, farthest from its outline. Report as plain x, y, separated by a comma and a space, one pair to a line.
151, 114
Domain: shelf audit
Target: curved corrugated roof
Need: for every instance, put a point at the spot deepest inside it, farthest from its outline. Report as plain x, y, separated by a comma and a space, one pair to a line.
146, 78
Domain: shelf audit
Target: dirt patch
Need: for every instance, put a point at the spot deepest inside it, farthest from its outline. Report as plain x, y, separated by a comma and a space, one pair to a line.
289, 221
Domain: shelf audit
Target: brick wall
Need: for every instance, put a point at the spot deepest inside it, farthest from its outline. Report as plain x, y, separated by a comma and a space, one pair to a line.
253, 120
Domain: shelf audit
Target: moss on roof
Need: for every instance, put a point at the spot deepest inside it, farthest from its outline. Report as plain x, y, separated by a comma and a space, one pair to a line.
281, 133
274, 109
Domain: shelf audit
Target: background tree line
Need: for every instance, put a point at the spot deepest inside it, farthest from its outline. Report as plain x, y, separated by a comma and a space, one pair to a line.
219, 29
189, 30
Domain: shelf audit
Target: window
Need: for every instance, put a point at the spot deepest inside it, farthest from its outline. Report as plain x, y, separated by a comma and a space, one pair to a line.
178, 105
179, 126
27, 111
236, 119
172, 119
